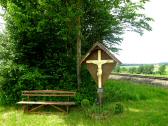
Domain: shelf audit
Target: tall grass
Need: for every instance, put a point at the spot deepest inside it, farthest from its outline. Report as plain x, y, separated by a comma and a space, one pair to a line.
144, 105
126, 90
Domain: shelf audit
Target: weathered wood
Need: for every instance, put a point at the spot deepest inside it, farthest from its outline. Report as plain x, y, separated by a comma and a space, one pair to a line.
100, 53
45, 103
25, 108
35, 108
100, 62
58, 108
49, 93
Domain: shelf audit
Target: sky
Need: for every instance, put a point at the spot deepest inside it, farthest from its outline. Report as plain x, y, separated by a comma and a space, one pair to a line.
152, 47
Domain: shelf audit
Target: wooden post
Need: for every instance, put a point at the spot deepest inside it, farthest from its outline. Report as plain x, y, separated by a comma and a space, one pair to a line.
100, 96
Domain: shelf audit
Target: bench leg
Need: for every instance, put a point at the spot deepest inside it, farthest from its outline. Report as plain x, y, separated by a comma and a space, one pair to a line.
58, 108
25, 107
33, 109
67, 107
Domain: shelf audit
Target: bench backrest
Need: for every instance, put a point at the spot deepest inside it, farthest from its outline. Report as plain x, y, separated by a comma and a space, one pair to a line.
48, 93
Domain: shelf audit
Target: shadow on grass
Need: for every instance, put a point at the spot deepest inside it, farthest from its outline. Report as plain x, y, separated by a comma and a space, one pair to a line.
143, 104
76, 117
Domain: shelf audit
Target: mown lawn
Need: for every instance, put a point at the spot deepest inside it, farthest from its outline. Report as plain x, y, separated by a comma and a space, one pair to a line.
144, 105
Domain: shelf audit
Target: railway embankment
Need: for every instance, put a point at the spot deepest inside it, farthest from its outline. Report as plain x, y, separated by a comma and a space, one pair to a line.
141, 79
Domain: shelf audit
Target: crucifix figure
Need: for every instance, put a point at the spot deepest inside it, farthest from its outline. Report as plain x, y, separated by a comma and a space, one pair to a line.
105, 61
99, 62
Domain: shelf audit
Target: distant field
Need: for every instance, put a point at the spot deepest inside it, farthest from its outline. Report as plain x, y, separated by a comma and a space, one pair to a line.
155, 67
125, 69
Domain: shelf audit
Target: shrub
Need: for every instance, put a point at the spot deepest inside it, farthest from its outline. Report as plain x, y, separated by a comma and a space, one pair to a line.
119, 108
85, 103
140, 69
117, 69
124, 70
148, 69
132, 70
18, 78
162, 69
88, 88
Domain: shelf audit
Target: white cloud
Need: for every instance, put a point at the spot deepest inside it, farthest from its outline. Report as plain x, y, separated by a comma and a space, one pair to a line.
152, 46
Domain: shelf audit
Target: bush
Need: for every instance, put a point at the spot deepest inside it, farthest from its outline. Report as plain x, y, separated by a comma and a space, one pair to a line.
148, 69
117, 69
124, 70
162, 69
132, 70
119, 108
18, 78
88, 87
85, 103
140, 69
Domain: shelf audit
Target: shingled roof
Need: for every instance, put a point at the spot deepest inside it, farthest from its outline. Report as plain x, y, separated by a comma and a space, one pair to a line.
96, 46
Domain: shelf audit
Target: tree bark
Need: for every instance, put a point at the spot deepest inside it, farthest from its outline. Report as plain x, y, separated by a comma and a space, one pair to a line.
78, 52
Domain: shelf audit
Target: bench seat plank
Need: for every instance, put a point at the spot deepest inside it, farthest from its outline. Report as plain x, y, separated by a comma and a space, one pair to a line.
45, 103
49, 91
48, 95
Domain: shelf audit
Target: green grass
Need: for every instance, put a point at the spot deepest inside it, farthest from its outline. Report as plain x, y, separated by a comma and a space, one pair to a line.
156, 75
144, 105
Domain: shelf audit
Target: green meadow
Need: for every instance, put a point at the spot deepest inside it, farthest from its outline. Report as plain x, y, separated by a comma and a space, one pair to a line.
155, 73
144, 105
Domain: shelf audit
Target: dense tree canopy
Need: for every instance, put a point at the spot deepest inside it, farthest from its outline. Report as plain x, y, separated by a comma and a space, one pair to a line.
43, 36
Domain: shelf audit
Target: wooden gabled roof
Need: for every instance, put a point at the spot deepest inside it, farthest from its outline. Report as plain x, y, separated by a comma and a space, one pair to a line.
96, 46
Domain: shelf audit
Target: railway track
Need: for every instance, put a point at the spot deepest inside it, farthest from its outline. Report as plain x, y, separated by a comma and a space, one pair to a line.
141, 76
163, 81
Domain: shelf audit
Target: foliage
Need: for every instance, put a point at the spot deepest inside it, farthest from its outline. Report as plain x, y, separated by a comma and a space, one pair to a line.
124, 69
6, 48
162, 69
117, 69
148, 69
152, 111
141, 69
119, 108
18, 78
88, 87
116, 91
41, 36
132, 70
85, 103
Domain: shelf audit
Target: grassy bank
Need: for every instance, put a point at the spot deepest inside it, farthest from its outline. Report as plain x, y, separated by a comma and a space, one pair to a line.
144, 105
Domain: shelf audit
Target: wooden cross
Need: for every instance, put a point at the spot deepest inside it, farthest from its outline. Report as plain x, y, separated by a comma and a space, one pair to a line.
99, 62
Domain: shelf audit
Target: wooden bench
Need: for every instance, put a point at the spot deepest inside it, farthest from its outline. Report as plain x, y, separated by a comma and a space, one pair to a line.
29, 95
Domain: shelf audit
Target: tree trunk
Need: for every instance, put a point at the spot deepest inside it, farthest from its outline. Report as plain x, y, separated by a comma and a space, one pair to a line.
78, 52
